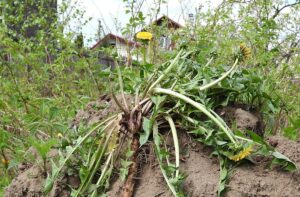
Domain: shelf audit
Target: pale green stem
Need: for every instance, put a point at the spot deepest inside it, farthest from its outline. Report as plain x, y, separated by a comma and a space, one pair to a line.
49, 185
144, 55
121, 85
171, 187
167, 156
209, 61
103, 172
246, 139
221, 78
176, 143
172, 65
96, 162
199, 107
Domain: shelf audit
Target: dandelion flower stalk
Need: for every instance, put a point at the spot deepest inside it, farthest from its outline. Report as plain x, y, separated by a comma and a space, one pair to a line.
145, 37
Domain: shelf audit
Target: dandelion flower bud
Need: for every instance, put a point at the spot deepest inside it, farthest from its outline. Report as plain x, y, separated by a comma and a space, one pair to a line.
246, 51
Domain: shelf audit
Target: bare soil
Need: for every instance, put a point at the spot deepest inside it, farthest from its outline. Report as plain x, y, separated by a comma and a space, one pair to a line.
202, 172
31, 179
201, 168
96, 111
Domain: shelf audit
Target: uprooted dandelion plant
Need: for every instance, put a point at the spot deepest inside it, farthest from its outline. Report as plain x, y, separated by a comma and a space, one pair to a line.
176, 94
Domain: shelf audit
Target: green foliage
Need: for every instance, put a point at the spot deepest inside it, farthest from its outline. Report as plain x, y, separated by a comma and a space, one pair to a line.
125, 163
136, 19
44, 79
292, 131
69, 151
43, 148
173, 181
224, 175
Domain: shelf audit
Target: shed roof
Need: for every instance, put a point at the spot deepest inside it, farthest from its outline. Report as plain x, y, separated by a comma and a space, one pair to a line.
165, 19
111, 36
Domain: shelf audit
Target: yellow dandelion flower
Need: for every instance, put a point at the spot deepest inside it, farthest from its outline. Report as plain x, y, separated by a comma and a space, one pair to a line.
59, 135
144, 35
246, 51
241, 155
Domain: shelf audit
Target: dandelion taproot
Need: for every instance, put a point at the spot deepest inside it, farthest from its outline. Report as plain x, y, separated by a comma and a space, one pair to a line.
144, 35
242, 154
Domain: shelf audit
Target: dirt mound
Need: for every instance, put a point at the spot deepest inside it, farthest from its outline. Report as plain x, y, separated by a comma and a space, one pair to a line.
30, 184
242, 117
96, 111
31, 179
201, 168
202, 172
260, 180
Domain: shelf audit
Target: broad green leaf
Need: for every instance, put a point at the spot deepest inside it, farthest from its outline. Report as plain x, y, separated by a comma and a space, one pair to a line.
284, 161
147, 128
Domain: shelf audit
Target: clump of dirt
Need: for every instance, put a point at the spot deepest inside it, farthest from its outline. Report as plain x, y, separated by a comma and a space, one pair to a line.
30, 184
31, 179
242, 118
96, 111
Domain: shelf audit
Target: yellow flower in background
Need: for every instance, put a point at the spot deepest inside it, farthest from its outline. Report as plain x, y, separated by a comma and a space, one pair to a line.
59, 135
5, 162
144, 35
241, 155
246, 51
